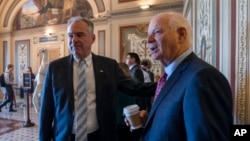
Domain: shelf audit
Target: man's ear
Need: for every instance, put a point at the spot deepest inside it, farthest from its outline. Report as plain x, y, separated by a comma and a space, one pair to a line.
182, 33
93, 37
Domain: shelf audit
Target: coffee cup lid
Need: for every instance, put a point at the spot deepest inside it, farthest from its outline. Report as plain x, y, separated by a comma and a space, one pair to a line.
130, 109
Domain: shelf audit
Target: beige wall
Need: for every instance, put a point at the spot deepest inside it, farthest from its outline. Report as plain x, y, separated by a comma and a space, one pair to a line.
219, 32
107, 22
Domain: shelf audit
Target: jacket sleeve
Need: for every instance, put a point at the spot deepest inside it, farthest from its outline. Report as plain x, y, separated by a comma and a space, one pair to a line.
208, 107
46, 109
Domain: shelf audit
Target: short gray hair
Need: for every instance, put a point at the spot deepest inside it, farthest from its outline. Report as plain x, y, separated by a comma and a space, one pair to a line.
177, 20
87, 21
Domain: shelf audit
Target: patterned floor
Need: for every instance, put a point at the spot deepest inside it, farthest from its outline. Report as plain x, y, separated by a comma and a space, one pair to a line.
11, 123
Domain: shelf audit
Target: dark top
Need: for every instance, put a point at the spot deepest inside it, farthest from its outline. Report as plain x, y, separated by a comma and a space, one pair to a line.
123, 100
31, 90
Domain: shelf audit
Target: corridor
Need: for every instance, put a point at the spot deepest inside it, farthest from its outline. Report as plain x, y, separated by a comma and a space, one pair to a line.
11, 123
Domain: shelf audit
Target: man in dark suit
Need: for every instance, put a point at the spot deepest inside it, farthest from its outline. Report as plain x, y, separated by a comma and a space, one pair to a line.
146, 66
133, 61
103, 79
195, 103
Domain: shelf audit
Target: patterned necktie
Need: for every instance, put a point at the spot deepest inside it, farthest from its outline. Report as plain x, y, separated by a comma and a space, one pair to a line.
81, 111
161, 83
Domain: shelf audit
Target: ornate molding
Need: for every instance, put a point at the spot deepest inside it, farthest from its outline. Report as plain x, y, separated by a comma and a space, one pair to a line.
39, 30
241, 86
204, 30
22, 58
154, 8
137, 11
7, 17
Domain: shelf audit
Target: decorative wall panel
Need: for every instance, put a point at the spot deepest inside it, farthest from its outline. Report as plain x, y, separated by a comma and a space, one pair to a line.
4, 54
101, 42
134, 39
243, 59
22, 58
204, 46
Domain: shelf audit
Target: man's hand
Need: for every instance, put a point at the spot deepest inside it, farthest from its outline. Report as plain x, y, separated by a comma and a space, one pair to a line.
143, 116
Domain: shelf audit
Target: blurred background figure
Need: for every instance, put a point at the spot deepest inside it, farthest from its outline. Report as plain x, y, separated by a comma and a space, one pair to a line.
149, 76
146, 66
40, 79
123, 100
8, 78
133, 61
31, 90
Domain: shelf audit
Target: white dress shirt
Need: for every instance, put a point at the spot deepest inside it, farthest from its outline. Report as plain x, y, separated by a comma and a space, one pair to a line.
92, 123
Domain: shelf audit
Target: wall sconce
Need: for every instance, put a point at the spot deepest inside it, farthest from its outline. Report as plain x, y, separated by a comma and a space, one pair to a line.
145, 6
48, 34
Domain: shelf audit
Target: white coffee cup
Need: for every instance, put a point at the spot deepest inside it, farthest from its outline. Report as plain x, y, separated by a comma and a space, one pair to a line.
132, 114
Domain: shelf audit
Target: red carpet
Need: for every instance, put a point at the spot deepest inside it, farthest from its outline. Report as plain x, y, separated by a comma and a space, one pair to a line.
8, 125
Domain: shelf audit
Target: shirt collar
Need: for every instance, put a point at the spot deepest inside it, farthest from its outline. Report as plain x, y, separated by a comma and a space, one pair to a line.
87, 60
173, 65
130, 67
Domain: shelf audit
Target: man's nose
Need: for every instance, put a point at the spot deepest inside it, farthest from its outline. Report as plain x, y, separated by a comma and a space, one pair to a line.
150, 38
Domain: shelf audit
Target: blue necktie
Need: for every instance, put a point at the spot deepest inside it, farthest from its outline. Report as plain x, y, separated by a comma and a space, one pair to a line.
81, 110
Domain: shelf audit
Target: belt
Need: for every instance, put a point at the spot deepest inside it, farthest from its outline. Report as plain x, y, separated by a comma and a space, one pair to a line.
94, 136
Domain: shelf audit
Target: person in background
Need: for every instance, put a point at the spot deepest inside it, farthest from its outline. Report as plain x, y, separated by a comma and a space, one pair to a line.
195, 100
133, 61
59, 110
123, 100
149, 76
8, 78
145, 74
31, 90
146, 66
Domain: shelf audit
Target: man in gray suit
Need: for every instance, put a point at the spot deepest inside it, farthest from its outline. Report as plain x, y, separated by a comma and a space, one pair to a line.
103, 79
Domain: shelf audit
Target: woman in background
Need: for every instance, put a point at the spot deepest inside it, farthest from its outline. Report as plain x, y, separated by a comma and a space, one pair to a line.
123, 100
31, 90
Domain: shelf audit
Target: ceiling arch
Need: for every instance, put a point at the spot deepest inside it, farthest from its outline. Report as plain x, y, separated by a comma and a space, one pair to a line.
9, 12
11, 8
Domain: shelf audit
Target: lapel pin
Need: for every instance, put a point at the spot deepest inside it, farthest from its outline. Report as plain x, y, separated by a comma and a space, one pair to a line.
101, 70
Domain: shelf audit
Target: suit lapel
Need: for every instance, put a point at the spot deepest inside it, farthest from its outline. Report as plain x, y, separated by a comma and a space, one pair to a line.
164, 92
168, 86
69, 77
98, 72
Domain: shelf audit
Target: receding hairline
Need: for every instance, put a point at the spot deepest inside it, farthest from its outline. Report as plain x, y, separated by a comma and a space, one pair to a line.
174, 21
78, 19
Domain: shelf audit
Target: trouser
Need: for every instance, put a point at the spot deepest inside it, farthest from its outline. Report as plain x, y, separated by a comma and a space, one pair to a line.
10, 96
95, 136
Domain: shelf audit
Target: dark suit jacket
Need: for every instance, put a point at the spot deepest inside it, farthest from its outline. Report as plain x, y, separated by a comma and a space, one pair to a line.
194, 105
151, 76
57, 107
137, 73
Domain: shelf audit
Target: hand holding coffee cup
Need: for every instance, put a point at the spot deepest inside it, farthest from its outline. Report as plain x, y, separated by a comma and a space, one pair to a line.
132, 115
